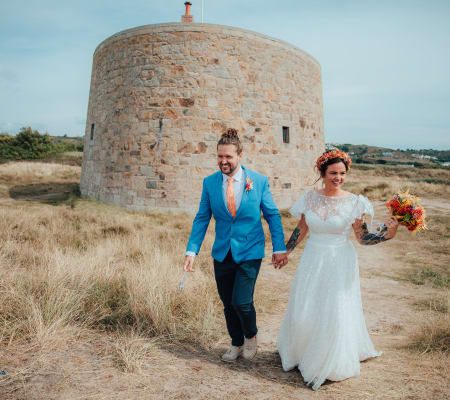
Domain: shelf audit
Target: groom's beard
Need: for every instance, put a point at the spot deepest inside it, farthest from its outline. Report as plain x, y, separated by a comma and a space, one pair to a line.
228, 169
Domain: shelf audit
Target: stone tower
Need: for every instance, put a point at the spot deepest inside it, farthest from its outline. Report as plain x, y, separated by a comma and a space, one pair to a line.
161, 95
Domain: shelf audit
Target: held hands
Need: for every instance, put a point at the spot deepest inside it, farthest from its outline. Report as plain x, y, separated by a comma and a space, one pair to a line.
279, 260
392, 226
188, 265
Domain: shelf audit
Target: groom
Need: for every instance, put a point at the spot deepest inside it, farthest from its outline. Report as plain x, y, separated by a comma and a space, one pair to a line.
235, 196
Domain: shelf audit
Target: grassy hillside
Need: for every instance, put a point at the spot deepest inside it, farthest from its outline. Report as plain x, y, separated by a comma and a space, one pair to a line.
363, 154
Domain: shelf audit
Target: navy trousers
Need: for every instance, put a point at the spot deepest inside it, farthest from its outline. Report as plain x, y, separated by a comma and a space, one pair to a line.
236, 285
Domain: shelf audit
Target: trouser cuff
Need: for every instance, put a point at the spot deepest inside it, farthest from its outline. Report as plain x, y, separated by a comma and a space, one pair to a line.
237, 342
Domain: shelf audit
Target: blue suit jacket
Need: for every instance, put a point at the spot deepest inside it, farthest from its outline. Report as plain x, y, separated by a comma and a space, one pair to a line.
244, 233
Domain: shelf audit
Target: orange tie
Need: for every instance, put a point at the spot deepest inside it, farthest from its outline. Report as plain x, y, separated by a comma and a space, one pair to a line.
230, 198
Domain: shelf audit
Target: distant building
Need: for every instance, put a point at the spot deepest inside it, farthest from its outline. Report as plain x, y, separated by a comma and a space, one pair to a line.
386, 154
423, 156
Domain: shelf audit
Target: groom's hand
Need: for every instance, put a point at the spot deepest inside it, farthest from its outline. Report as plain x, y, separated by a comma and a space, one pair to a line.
189, 264
279, 260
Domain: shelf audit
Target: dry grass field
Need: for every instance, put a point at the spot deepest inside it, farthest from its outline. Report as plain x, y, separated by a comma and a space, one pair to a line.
90, 306
380, 182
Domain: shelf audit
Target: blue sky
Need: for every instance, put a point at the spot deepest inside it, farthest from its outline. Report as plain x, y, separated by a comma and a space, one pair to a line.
385, 63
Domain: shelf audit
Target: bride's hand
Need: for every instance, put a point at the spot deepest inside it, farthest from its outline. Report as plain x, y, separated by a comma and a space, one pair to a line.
279, 260
392, 226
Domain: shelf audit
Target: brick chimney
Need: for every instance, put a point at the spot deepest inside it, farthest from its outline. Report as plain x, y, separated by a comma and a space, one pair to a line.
187, 18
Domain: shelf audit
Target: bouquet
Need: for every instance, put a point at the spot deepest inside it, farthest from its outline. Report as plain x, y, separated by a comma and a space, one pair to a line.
408, 211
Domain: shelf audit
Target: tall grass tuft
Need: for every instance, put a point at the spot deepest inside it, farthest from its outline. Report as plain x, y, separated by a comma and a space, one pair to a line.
433, 335
131, 352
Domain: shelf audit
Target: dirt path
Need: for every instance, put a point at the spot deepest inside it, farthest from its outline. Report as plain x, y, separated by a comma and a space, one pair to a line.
189, 373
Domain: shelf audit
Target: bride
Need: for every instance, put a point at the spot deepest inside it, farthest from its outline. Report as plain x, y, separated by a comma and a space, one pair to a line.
323, 332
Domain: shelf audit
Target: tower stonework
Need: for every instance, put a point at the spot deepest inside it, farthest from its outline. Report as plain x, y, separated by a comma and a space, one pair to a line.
161, 96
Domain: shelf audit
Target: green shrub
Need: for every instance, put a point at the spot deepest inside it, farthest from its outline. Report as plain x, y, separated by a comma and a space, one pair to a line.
29, 144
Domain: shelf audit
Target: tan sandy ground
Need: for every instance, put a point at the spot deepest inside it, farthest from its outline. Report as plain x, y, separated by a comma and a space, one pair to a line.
81, 370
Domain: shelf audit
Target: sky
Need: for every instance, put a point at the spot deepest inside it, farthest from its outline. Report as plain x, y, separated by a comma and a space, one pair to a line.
385, 63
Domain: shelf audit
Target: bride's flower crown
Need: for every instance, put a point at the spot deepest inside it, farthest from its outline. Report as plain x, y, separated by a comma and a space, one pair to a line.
329, 155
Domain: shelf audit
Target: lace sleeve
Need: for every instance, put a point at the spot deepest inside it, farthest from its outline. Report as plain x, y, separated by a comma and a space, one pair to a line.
363, 207
299, 206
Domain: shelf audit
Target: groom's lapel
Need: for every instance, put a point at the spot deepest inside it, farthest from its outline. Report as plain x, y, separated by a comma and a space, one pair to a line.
219, 194
244, 198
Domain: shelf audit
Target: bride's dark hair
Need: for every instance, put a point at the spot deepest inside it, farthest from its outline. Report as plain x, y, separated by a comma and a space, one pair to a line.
230, 136
331, 161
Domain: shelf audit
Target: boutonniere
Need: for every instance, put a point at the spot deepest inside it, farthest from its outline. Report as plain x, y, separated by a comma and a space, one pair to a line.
248, 185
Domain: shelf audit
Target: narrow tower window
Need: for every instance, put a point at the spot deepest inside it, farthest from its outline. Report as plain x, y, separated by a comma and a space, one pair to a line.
285, 134
92, 131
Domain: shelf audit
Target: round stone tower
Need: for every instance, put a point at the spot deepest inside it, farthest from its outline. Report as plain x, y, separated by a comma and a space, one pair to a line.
161, 95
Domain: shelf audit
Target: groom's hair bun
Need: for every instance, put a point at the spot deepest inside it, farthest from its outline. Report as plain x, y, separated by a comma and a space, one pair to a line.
230, 133
230, 136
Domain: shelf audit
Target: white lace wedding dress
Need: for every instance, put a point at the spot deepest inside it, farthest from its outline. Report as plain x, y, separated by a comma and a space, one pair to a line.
323, 332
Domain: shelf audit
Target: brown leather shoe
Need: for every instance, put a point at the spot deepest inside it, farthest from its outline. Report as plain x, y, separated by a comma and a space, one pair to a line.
250, 348
232, 354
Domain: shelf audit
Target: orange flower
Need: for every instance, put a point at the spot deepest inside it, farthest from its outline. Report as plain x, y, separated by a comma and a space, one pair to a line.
248, 185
